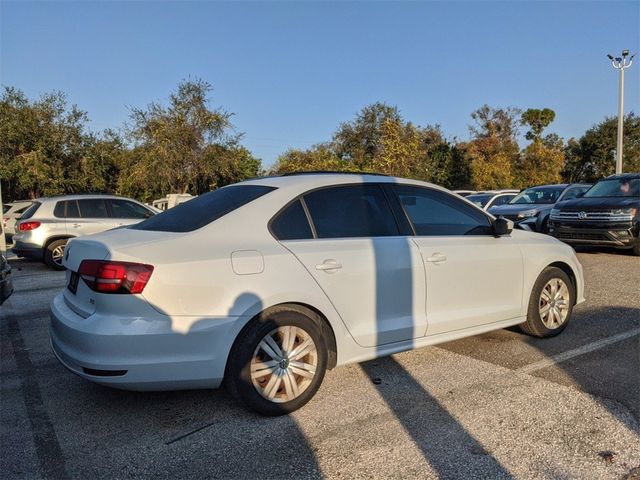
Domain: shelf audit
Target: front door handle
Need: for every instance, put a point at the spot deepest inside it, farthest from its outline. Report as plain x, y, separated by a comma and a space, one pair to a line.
329, 266
76, 225
437, 258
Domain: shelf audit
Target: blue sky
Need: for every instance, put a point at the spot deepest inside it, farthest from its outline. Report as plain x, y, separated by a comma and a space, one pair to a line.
292, 71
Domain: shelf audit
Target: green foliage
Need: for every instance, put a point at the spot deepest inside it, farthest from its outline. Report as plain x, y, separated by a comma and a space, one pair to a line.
537, 120
45, 148
593, 155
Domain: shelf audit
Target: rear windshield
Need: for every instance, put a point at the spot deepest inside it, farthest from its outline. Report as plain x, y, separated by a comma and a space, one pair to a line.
203, 210
30, 211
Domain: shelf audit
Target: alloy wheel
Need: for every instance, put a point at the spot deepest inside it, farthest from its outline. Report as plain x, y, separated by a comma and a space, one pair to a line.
554, 303
284, 364
57, 254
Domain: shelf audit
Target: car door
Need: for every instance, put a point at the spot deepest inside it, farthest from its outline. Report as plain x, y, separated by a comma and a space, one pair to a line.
473, 278
373, 276
126, 212
88, 215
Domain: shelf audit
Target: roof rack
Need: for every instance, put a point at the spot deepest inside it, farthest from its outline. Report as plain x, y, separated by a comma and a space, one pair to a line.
329, 172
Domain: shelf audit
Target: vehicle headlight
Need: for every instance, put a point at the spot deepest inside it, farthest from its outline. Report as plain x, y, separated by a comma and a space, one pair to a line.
624, 211
529, 213
554, 212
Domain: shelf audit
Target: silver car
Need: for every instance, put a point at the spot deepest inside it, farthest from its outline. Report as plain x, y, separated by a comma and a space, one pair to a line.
12, 213
45, 227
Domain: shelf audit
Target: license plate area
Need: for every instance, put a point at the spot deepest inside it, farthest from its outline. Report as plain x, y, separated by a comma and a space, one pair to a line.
73, 282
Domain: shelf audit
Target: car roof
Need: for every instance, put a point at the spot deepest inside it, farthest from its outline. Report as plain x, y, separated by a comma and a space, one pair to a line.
79, 196
311, 180
627, 176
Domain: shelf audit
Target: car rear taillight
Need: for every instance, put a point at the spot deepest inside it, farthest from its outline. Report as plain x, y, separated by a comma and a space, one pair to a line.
26, 226
115, 277
4, 221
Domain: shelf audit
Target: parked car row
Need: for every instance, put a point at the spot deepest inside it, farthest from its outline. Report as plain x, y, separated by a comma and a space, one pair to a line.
606, 213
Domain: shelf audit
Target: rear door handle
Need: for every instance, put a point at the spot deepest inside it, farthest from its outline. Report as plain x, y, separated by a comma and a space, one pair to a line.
437, 258
329, 266
76, 225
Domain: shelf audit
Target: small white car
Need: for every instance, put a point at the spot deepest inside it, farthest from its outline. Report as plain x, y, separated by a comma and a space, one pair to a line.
267, 283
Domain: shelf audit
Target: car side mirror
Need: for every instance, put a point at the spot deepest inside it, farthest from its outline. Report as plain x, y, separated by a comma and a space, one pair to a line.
502, 226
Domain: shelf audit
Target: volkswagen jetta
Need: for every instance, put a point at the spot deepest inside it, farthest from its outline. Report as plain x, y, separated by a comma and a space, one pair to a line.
267, 283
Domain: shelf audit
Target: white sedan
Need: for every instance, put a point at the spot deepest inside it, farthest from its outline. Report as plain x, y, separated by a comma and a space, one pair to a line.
269, 282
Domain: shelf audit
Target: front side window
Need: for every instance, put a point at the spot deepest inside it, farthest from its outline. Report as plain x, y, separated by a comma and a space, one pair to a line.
437, 213
92, 208
351, 211
127, 209
615, 187
292, 223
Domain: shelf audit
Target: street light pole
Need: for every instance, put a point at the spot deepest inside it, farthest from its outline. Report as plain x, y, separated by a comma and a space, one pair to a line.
621, 63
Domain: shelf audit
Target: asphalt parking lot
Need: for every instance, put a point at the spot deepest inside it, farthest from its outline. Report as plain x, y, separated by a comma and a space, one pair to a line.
500, 405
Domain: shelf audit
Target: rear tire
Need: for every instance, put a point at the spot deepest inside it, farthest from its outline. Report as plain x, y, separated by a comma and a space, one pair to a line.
277, 380
550, 305
54, 253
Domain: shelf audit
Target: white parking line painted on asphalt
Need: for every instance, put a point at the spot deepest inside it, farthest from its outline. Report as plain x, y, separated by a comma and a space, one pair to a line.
589, 347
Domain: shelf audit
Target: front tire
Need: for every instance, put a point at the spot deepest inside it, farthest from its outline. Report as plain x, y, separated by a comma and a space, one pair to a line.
277, 362
54, 253
550, 305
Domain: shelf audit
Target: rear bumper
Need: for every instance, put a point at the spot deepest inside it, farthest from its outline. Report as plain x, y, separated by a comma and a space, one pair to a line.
618, 236
27, 250
141, 353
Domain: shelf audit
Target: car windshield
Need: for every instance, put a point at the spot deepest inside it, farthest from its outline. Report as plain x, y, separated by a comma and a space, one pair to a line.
479, 200
538, 195
615, 187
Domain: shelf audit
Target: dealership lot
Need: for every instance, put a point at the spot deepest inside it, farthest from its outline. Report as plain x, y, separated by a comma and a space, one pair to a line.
501, 405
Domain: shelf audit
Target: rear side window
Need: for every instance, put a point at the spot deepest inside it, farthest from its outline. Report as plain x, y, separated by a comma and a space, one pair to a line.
29, 212
438, 213
92, 208
204, 209
127, 209
502, 199
291, 223
351, 211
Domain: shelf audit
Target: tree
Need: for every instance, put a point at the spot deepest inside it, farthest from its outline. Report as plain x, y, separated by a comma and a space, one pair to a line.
537, 120
320, 157
542, 160
42, 145
493, 151
593, 156
186, 146
358, 141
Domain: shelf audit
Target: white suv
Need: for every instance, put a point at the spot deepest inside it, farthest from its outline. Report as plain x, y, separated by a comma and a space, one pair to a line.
269, 282
46, 226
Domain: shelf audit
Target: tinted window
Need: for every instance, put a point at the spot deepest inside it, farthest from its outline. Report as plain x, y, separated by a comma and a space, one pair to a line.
351, 211
5, 208
92, 208
127, 209
481, 200
291, 223
59, 209
72, 209
438, 213
616, 187
203, 210
30, 211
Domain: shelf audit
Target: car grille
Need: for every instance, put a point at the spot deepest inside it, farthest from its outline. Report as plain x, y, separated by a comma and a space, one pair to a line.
599, 216
580, 236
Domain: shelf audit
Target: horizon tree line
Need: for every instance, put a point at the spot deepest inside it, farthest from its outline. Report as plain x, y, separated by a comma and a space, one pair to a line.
185, 145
